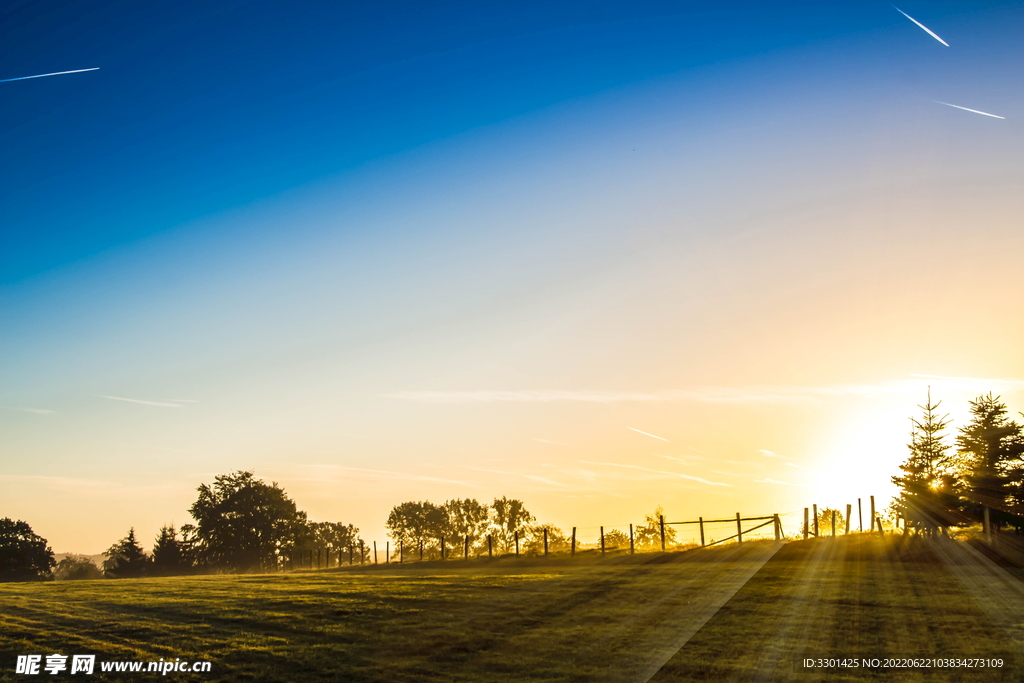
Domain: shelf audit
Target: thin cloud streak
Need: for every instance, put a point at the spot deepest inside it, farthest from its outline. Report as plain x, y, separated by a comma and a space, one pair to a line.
973, 380
709, 394
55, 73
768, 454
37, 411
923, 27
648, 469
140, 401
973, 111
653, 436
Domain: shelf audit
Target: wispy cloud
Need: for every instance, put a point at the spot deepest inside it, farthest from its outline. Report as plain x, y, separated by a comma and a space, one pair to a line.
55, 73
653, 436
681, 458
661, 472
973, 111
37, 411
389, 474
922, 26
756, 394
531, 477
776, 481
973, 382
768, 454
137, 400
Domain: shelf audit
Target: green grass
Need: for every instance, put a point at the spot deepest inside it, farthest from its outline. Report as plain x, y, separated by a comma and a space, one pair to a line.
616, 619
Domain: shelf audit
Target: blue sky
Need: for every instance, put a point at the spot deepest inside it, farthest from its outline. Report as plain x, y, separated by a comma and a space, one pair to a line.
322, 240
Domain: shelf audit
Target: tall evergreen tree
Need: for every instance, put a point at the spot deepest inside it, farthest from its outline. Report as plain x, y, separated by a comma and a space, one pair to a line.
126, 558
169, 554
989, 451
928, 486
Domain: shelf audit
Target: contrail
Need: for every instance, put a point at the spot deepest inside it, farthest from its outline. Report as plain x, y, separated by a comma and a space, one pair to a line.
925, 28
974, 111
653, 436
55, 73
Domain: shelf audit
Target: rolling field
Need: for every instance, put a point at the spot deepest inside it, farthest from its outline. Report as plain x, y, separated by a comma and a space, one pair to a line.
735, 612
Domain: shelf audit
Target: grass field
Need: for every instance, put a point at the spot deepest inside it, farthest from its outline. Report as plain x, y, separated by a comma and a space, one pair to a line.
735, 612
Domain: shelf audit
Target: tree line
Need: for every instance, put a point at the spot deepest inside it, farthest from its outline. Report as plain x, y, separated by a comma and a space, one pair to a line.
243, 524
978, 477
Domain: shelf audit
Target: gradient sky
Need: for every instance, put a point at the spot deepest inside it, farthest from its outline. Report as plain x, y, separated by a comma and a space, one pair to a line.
392, 251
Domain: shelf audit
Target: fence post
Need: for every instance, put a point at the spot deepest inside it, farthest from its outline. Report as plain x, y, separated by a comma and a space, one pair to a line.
873, 515
387, 552
572, 549
442, 548
700, 520
815, 508
602, 540
739, 529
632, 550
375, 552
490, 545
833, 524
807, 522
421, 550
860, 517
362, 552
545, 541
517, 543
879, 521
778, 528
351, 555
661, 523
849, 513
401, 552
986, 525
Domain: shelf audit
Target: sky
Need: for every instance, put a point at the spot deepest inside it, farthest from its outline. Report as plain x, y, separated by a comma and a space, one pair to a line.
598, 256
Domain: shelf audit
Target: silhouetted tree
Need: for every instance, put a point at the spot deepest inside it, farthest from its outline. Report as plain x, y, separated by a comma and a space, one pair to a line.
333, 536
508, 516
465, 517
825, 522
76, 568
24, 556
557, 541
988, 452
928, 488
243, 524
617, 539
126, 559
648, 534
170, 556
416, 522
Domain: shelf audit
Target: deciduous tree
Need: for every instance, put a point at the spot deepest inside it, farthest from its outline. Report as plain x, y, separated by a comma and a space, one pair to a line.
243, 524
24, 555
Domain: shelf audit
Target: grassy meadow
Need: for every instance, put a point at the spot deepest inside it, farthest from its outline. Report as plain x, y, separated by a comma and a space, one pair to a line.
726, 613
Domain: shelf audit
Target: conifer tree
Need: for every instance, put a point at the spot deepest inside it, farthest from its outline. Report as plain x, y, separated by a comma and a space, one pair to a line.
126, 558
169, 556
989, 456
928, 485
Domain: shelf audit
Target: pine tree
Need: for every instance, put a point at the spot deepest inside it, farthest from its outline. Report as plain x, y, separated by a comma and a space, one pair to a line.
928, 486
169, 557
988, 451
126, 558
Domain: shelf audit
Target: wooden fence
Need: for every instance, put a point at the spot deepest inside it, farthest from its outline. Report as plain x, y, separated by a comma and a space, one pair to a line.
323, 558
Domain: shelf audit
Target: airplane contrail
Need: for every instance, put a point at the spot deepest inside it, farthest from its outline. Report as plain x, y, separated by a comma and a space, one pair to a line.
653, 436
925, 28
974, 111
55, 73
